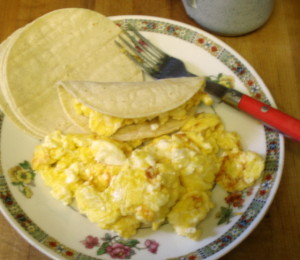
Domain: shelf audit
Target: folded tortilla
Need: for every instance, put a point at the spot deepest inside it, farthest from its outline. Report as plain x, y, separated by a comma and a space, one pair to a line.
135, 110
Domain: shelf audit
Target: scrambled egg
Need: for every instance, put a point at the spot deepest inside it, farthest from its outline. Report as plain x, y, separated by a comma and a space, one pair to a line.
121, 186
105, 125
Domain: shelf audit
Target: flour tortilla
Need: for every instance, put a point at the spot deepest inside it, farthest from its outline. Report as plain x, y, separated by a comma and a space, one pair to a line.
130, 100
145, 130
133, 99
4, 48
66, 44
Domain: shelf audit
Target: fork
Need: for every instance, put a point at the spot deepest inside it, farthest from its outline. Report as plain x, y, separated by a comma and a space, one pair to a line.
153, 61
160, 65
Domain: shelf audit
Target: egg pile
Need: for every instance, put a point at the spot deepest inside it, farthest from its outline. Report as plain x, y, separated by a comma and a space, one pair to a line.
121, 186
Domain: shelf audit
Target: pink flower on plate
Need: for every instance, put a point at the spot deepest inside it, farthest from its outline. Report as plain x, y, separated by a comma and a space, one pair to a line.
90, 242
151, 245
119, 251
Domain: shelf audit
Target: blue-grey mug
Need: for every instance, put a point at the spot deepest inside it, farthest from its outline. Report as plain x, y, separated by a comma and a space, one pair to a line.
229, 17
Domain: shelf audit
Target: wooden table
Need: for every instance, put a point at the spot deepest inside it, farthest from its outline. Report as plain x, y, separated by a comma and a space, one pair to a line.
272, 50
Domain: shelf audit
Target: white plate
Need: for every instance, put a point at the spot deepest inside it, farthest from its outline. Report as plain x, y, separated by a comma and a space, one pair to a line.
60, 232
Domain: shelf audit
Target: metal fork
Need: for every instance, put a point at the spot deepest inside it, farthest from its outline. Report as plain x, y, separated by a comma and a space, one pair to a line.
160, 65
149, 57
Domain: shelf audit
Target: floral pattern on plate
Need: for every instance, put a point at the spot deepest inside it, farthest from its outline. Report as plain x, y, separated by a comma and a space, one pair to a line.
22, 176
118, 247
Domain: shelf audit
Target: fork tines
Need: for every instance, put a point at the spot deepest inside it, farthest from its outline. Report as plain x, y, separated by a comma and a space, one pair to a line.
141, 50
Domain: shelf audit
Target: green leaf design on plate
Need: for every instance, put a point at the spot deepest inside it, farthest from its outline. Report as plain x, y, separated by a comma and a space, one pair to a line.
130, 242
225, 215
102, 248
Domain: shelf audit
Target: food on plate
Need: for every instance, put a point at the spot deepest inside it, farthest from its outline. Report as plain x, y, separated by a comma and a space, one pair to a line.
122, 186
132, 110
65, 44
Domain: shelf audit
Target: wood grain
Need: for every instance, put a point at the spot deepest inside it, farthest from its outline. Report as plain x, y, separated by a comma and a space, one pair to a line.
273, 51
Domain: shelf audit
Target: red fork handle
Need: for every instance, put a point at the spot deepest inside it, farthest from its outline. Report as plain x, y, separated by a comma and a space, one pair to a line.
274, 118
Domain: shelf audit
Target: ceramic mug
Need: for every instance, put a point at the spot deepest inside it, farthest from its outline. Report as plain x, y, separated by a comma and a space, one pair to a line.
229, 17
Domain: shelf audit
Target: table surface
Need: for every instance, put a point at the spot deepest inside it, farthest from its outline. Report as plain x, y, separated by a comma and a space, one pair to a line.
273, 51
